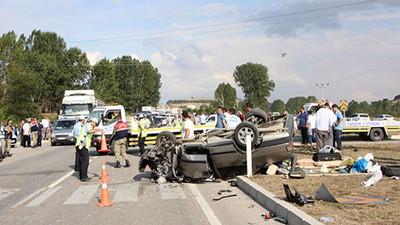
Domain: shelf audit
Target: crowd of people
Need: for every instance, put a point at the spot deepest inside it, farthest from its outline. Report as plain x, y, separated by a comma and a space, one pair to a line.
30, 133
325, 127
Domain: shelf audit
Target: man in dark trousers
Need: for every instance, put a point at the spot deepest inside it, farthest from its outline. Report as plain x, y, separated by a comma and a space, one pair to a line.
303, 125
83, 145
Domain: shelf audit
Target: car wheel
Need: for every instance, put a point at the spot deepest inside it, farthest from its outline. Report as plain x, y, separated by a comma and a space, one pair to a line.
165, 138
376, 134
53, 144
391, 170
256, 116
240, 134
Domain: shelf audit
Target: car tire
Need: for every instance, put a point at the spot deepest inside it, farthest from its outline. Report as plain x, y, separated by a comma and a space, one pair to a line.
240, 134
391, 170
376, 134
165, 138
53, 144
256, 116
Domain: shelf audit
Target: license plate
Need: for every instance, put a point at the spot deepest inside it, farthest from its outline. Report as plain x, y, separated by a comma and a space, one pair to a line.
62, 138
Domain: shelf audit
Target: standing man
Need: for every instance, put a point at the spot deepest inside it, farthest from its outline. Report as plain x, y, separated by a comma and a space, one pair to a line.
188, 127
232, 120
221, 123
77, 128
26, 133
9, 133
203, 118
303, 124
120, 134
249, 106
21, 133
3, 132
46, 125
83, 145
40, 134
324, 120
337, 134
144, 124
176, 122
34, 132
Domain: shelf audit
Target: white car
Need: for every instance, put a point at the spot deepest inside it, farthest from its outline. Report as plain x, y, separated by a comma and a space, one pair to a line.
360, 117
384, 117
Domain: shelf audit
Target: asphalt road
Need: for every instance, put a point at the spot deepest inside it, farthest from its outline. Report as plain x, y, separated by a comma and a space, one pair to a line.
39, 186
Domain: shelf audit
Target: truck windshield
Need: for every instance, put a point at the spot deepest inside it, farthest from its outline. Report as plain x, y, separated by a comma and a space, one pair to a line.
81, 109
96, 114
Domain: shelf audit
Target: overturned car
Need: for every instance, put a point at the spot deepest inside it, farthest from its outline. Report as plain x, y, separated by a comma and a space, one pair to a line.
221, 152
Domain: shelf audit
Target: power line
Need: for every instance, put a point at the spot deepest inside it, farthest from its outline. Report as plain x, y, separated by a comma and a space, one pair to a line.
224, 24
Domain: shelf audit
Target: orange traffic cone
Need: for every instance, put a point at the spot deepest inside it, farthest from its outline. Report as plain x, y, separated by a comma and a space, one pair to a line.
105, 199
103, 147
104, 178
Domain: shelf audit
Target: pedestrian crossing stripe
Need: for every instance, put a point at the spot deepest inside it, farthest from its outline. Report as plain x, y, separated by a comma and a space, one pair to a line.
125, 192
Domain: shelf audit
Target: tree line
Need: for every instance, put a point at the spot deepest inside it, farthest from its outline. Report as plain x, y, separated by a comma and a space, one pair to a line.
35, 71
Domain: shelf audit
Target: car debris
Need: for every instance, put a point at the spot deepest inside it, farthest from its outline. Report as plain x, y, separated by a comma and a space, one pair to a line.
297, 198
224, 196
221, 152
376, 169
223, 190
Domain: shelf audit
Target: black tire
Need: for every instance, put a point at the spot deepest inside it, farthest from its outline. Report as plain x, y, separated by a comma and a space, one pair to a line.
376, 134
165, 138
256, 116
53, 144
240, 134
391, 170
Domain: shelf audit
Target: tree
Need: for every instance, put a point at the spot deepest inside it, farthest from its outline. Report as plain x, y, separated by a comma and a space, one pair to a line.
102, 81
225, 95
293, 104
254, 81
278, 106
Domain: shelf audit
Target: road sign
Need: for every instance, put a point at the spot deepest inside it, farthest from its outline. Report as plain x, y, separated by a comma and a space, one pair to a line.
343, 105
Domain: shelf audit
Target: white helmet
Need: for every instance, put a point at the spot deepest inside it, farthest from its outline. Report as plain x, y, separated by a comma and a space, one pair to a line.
95, 120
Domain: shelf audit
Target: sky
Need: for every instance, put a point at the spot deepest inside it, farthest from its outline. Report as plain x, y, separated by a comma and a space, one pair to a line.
352, 45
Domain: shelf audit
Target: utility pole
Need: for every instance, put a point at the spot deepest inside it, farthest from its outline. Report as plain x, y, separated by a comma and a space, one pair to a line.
322, 86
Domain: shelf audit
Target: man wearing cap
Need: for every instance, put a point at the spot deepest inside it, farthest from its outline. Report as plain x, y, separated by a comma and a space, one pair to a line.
82, 145
144, 124
120, 134
77, 127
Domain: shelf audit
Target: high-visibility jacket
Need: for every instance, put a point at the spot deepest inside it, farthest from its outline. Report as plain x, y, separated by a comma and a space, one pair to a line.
84, 138
144, 124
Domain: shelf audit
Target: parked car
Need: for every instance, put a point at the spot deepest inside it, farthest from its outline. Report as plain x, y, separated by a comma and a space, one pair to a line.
221, 151
384, 117
62, 132
359, 117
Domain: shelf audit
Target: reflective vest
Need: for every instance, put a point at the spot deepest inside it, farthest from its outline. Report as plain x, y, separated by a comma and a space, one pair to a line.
144, 124
84, 138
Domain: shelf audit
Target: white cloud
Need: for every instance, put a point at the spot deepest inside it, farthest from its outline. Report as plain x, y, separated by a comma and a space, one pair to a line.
94, 57
134, 56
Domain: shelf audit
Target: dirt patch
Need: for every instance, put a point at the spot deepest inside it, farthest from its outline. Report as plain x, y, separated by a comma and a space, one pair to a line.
342, 185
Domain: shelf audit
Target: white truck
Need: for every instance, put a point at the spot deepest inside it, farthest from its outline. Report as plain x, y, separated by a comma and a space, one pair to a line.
77, 103
107, 122
367, 130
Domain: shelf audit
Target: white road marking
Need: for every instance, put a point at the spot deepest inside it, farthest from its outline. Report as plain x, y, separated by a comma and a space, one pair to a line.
41, 198
82, 195
171, 191
27, 198
204, 206
127, 192
61, 179
4, 193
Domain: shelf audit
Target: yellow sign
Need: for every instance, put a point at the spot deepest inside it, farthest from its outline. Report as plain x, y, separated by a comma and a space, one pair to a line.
343, 105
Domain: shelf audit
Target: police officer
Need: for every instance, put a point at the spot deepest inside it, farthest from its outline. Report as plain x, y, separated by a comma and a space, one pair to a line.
77, 128
120, 133
83, 145
144, 124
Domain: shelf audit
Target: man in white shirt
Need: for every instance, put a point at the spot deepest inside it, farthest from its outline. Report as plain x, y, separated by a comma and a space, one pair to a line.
188, 127
324, 120
203, 119
45, 123
232, 120
26, 132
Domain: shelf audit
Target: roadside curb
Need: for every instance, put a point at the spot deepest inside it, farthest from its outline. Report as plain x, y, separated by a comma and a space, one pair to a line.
394, 137
272, 203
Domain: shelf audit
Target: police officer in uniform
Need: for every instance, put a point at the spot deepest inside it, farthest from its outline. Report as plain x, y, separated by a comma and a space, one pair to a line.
9, 133
144, 124
83, 145
120, 134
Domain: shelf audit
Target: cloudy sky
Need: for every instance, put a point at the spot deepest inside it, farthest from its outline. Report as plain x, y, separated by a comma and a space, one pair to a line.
354, 45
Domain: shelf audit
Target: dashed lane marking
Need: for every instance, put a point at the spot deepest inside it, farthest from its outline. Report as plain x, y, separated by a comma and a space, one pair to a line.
127, 192
37, 201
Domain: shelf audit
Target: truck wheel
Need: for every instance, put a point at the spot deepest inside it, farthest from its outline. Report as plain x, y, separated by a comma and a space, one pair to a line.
242, 130
256, 116
376, 134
